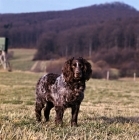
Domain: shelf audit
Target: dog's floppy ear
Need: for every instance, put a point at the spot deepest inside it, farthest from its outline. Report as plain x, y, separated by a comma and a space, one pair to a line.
67, 70
87, 69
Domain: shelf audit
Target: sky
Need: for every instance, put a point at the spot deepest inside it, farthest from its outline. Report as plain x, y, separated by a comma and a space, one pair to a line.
26, 6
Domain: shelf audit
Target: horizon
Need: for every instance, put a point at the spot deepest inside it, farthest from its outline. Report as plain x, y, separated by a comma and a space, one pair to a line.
21, 6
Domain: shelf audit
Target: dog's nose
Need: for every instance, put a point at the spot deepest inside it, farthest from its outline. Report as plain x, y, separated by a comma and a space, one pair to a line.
78, 71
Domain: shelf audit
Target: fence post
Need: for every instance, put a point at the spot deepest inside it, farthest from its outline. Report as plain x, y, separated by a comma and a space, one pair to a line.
108, 75
134, 76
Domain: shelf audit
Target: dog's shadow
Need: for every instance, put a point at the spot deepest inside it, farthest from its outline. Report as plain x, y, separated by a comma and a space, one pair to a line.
118, 119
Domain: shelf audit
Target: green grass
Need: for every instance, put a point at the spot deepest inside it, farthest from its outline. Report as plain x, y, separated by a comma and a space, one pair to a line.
109, 111
22, 59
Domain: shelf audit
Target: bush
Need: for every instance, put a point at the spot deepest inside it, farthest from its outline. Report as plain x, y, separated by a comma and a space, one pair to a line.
55, 66
128, 69
114, 74
100, 69
126, 60
97, 73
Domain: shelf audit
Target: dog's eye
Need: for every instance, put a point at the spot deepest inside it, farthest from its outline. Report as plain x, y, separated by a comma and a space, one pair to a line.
80, 65
74, 65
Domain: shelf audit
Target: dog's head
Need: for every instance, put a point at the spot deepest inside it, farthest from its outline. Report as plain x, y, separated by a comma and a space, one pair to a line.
77, 69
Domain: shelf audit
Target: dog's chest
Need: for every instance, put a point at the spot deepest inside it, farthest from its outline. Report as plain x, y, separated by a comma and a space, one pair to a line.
65, 95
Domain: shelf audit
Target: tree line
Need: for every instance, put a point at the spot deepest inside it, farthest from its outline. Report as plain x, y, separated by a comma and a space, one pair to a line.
108, 32
28, 29
118, 33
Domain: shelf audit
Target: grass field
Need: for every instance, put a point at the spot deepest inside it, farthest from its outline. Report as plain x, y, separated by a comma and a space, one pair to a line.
22, 59
109, 111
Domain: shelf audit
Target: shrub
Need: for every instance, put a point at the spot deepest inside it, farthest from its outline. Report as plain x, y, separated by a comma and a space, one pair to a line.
55, 66
100, 69
128, 69
126, 60
97, 73
114, 73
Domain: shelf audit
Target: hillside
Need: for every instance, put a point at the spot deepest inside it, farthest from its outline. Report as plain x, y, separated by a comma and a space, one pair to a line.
107, 34
26, 29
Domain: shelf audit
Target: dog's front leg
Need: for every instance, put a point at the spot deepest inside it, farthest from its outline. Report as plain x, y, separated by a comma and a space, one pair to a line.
59, 115
74, 112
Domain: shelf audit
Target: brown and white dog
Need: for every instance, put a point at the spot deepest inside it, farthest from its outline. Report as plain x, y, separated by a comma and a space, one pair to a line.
63, 91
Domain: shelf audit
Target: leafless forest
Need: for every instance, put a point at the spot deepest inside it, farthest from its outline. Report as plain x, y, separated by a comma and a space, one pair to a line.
108, 34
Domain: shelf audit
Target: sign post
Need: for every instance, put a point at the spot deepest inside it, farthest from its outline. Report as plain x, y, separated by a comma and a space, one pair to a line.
3, 53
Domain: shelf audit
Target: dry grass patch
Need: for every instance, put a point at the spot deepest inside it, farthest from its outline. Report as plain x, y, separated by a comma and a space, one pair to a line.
21, 59
109, 111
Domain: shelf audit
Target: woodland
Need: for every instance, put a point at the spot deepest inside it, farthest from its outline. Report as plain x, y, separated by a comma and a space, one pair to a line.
107, 32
